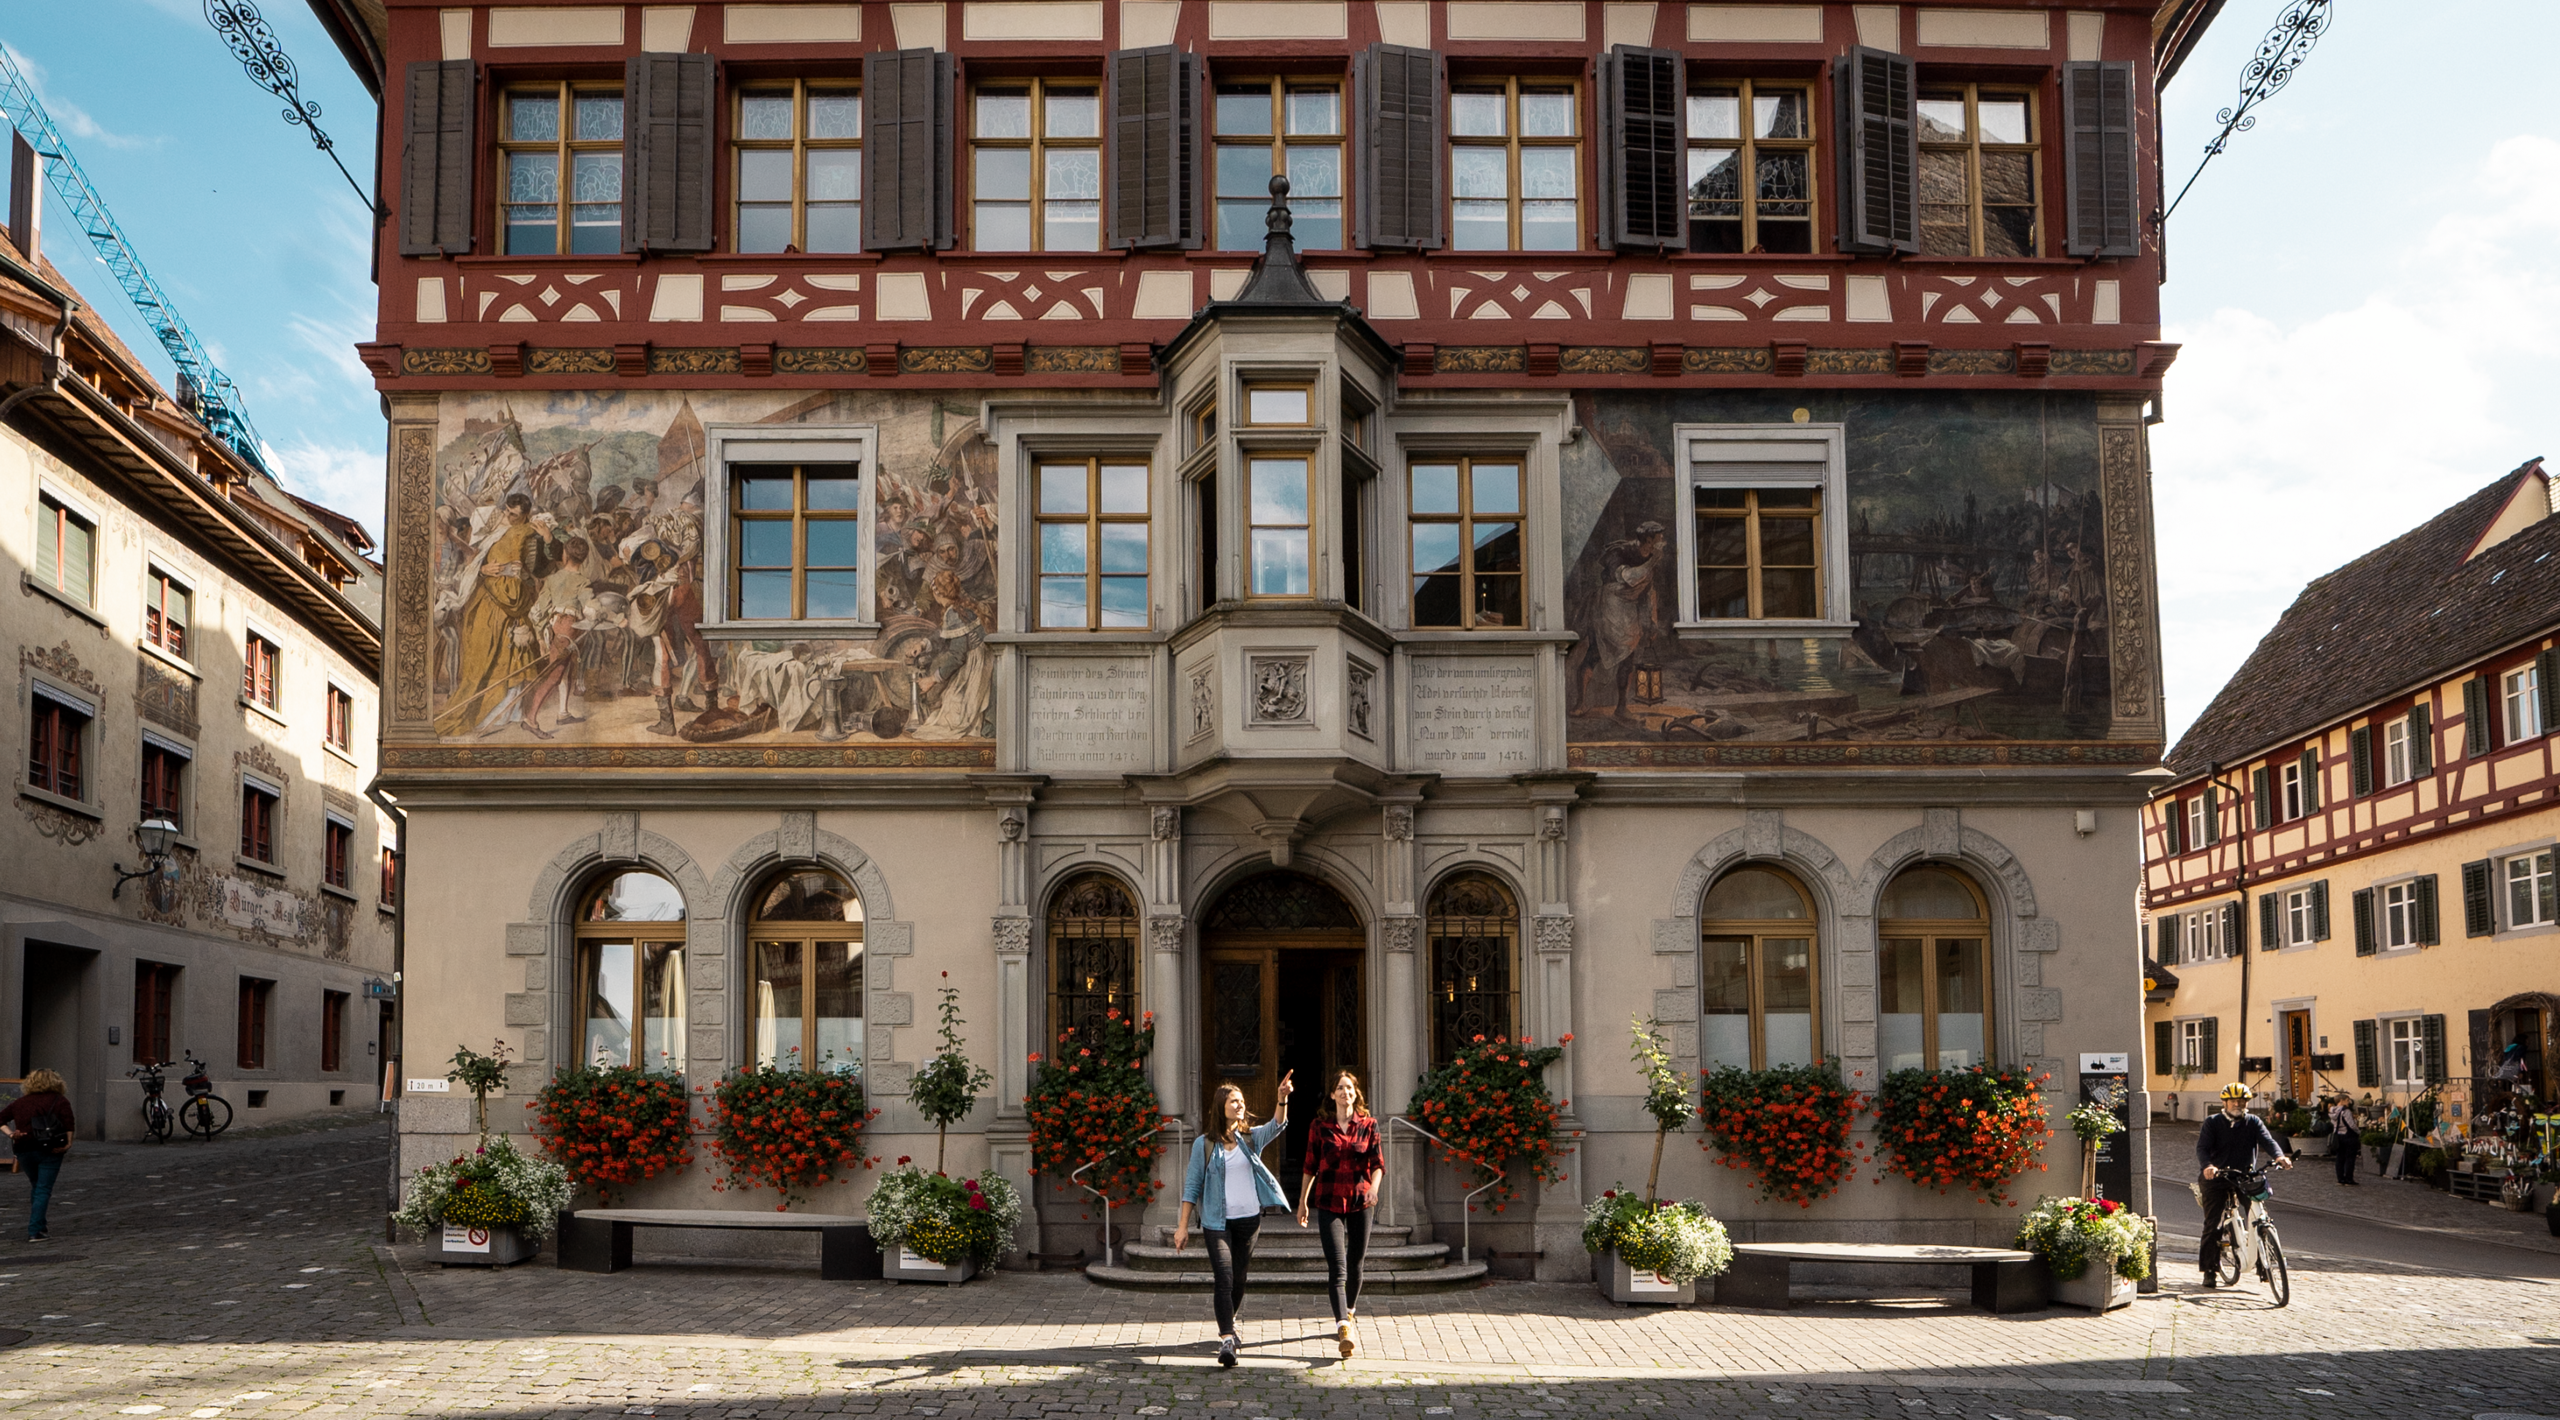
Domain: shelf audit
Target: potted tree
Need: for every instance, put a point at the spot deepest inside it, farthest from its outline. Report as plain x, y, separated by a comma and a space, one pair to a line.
929, 1228
492, 1206
2096, 1249
1648, 1250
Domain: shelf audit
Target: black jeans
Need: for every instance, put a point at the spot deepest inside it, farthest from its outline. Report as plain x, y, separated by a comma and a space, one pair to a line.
2218, 1196
1230, 1257
1346, 1246
2343, 1150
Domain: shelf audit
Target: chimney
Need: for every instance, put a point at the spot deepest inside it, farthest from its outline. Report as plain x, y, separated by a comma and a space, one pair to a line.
26, 198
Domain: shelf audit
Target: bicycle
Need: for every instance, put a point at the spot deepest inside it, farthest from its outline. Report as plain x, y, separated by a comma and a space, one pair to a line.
205, 1113
157, 1119
2249, 1235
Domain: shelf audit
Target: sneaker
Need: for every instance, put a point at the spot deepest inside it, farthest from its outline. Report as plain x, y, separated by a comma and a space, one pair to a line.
1344, 1338
1226, 1351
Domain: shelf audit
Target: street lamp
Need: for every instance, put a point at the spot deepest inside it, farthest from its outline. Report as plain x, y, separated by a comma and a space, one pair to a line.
154, 835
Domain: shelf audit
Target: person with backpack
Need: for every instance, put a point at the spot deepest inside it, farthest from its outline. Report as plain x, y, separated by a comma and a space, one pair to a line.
39, 1125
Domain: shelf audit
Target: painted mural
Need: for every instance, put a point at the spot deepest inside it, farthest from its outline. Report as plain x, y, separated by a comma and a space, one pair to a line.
1976, 578
569, 578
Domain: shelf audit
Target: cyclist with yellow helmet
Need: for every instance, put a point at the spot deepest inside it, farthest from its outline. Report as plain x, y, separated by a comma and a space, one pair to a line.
2229, 1140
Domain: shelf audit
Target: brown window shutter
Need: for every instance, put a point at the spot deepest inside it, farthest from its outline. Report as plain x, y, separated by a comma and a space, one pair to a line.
2100, 173
2423, 891
2235, 929
2310, 782
437, 160
2475, 716
2547, 666
2479, 899
2270, 923
2360, 755
2320, 910
2422, 741
2362, 902
1644, 190
2368, 1054
667, 164
2212, 816
2209, 1049
1398, 106
2163, 1047
906, 150
1155, 155
1880, 152
2262, 803
2173, 813
2431, 1031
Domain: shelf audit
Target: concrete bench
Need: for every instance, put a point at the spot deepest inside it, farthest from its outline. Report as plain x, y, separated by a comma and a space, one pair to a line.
599, 1239
2003, 1280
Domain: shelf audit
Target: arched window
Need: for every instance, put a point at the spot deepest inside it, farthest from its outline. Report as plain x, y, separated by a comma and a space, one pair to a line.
1756, 973
1093, 952
1933, 972
1474, 928
804, 950
630, 955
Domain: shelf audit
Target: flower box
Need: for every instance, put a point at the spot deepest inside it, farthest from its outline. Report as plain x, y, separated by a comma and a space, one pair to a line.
905, 1264
483, 1245
2097, 1289
1628, 1287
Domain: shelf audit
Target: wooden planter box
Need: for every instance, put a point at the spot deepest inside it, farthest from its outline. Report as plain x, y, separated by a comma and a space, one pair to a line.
1627, 1287
493, 1245
900, 1263
2097, 1289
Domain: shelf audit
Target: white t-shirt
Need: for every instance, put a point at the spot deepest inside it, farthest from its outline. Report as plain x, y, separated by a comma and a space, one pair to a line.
1241, 1199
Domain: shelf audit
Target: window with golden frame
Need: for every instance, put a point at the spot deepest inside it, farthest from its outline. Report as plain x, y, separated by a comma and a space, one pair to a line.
1279, 520
1933, 972
796, 532
1515, 174
1093, 544
560, 169
1759, 553
1268, 406
1751, 168
799, 168
804, 963
1093, 954
631, 973
1978, 179
1268, 126
1035, 157
1466, 515
1758, 986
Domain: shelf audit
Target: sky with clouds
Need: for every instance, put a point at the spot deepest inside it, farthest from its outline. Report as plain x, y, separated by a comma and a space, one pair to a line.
2363, 285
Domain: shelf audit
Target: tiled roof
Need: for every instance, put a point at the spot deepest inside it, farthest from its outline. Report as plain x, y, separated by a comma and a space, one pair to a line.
2403, 614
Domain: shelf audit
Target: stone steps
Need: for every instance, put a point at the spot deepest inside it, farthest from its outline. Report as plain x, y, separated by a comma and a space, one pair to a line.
1307, 1257
1454, 1277
1289, 1258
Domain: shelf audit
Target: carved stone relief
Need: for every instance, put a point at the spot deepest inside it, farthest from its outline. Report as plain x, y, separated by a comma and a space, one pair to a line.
1360, 678
1279, 688
1203, 701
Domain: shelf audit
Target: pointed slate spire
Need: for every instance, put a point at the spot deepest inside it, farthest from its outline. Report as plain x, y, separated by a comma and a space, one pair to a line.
1278, 279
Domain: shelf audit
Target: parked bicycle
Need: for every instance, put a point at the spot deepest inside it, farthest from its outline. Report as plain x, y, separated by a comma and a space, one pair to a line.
2249, 1235
204, 1114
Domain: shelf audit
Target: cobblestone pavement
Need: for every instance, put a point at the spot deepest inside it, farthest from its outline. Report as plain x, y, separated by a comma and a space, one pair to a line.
2398, 1203
247, 1280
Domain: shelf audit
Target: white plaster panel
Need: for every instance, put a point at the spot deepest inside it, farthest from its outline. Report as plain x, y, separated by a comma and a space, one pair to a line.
1391, 296
2106, 304
1880, 27
1405, 22
1225, 282
677, 298
454, 28
1031, 19
430, 300
535, 26
1868, 299
666, 29
1648, 297
2087, 36
1148, 22
1278, 19
1627, 24
1163, 295
1515, 19
901, 295
1755, 24
791, 24
920, 26
1986, 29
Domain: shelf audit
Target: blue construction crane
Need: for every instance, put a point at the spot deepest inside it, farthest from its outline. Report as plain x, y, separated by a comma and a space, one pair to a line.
205, 390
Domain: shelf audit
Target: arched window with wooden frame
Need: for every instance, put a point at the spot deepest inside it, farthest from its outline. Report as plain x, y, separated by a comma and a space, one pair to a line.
1093, 953
1759, 989
804, 964
1933, 972
629, 939
1474, 926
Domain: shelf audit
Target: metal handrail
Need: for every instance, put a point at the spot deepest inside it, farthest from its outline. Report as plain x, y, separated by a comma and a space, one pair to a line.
1466, 1251
1077, 1178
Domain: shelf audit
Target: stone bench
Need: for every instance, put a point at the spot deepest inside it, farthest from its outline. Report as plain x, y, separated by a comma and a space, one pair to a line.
599, 1239
2003, 1280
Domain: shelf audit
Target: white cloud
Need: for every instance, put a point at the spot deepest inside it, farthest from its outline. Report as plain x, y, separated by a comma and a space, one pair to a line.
340, 477
2290, 450
73, 120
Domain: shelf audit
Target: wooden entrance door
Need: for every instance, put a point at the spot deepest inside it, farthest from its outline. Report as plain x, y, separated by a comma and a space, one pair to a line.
2299, 1083
1278, 1008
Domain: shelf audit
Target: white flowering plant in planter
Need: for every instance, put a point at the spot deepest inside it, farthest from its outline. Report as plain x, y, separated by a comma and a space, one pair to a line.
493, 1185
2071, 1233
1678, 1242
948, 1220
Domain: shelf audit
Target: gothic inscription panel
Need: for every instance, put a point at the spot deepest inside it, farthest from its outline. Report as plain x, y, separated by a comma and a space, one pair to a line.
1473, 714
1088, 714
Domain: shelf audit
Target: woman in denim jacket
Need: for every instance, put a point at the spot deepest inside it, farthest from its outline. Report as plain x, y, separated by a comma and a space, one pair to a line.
1229, 1185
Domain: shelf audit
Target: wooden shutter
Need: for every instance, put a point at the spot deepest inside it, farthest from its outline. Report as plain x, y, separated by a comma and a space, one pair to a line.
1880, 148
2235, 929
2422, 902
2320, 910
1154, 147
2209, 1048
2479, 899
2102, 181
2270, 928
2475, 716
2422, 741
2547, 674
2164, 1044
1398, 106
1644, 188
668, 158
906, 150
2262, 804
437, 160
2310, 782
2173, 816
2362, 905
2360, 752
2368, 1053
2212, 815
2431, 1030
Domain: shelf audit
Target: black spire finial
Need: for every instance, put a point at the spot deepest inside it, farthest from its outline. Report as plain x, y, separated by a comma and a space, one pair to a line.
1277, 278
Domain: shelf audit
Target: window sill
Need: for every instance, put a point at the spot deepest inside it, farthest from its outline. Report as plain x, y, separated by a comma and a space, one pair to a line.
1067, 640
386, 909
1520, 254
168, 658
47, 796
614, 258
1483, 636
789, 630
793, 260
1228, 257
1762, 630
341, 753
253, 706
333, 890
28, 581
253, 865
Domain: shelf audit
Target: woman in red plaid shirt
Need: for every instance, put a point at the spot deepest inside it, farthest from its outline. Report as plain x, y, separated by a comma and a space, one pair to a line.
1341, 1174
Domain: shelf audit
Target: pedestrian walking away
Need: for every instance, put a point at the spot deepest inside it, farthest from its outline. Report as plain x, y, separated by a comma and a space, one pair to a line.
1340, 1179
2230, 1139
2346, 1138
39, 1126
1227, 1183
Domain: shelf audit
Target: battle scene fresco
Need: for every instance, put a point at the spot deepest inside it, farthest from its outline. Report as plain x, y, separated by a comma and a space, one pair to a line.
1976, 546
569, 597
